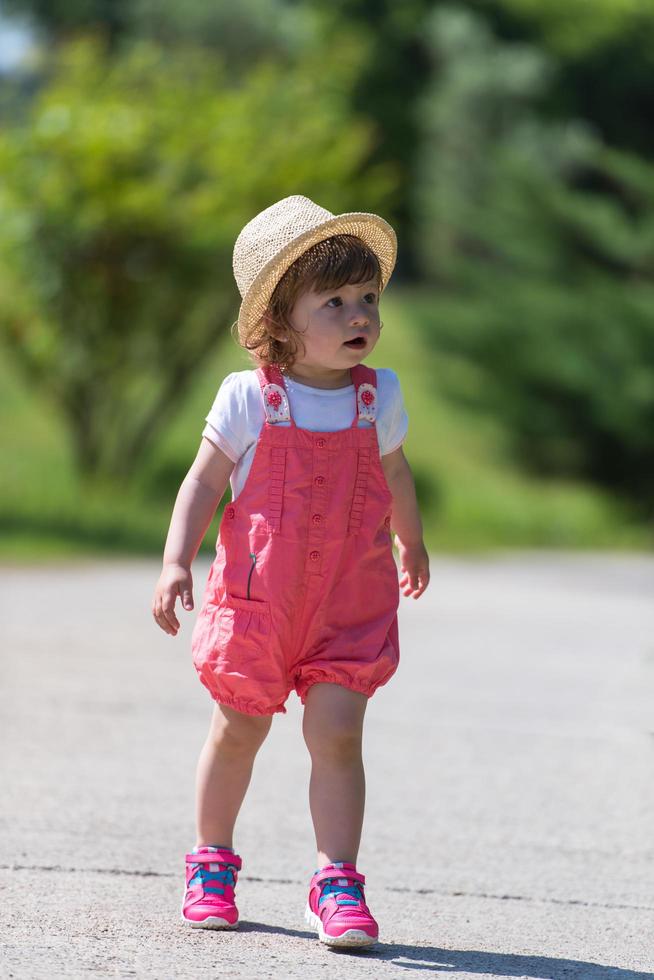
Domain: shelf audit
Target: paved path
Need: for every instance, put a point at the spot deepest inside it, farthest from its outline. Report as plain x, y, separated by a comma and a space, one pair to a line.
510, 818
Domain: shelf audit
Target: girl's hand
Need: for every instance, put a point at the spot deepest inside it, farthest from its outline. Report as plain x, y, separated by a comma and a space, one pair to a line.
175, 580
414, 562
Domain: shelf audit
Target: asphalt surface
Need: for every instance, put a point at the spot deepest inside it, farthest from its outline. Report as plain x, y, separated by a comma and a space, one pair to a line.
510, 803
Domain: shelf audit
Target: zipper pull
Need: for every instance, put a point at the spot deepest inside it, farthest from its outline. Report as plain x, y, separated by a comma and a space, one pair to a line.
254, 562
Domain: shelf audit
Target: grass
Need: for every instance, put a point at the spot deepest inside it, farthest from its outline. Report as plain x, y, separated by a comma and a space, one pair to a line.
473, 495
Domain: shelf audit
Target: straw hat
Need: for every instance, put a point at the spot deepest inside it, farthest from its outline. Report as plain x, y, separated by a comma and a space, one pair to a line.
276, 237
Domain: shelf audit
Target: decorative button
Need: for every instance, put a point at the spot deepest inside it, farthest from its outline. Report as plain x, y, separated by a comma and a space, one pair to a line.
274, 398
315, 556
320, 443
319, 481
316, 519
229, 513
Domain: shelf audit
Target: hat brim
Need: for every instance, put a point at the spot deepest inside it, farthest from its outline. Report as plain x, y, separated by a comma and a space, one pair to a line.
376, 233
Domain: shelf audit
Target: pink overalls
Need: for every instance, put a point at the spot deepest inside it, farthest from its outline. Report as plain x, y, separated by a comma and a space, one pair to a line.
304, 586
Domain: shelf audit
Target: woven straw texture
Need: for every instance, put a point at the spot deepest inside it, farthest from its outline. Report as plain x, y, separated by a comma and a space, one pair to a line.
276, 237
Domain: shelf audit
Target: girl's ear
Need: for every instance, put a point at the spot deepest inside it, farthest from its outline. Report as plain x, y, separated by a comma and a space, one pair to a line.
273, 329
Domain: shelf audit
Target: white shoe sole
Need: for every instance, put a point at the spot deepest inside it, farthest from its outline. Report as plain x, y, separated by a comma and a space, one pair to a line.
211, 922
353, 937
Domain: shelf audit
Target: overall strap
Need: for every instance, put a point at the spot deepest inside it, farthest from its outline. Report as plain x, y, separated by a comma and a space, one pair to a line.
365, 388
365, 385
275, 397
277, 407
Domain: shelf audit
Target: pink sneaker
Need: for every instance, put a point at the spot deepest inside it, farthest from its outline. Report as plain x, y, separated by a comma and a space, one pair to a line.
211, 874
337, 907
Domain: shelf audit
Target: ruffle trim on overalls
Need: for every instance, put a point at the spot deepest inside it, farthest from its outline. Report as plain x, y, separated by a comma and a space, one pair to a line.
249, 706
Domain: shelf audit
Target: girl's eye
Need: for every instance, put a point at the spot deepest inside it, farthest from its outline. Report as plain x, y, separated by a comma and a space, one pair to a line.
371, 297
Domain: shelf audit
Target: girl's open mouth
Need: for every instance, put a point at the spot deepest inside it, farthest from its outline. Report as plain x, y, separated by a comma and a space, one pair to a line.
356, 343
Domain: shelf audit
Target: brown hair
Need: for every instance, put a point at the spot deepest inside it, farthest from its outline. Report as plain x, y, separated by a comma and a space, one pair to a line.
329, 264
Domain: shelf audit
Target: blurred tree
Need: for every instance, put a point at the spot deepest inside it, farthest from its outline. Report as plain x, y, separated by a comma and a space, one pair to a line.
63, 17
123, 193
474, 118
242, 33
392, 66
603, 52
392, 77
542, 239
604, 56
392, 62
575, 27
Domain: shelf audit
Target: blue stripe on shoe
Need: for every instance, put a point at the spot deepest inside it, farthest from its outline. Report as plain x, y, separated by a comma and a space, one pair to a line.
204, 875
338, 890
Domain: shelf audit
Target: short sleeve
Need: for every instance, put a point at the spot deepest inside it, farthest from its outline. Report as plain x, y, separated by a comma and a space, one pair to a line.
236, 415
392, 420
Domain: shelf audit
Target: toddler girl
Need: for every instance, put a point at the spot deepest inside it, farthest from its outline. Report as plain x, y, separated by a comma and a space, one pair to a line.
303, 592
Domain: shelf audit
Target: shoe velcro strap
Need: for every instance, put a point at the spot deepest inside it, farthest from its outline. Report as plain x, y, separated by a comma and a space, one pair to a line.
335, 873
211, 857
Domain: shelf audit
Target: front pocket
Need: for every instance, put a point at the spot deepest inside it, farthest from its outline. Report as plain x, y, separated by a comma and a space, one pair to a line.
242, 619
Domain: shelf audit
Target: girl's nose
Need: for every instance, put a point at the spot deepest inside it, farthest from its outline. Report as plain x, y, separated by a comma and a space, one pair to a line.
360, 316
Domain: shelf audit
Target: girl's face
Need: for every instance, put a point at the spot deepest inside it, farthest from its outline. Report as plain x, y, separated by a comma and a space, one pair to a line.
338, 328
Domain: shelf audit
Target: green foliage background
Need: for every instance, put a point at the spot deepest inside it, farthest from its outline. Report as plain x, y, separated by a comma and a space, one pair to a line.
507, 140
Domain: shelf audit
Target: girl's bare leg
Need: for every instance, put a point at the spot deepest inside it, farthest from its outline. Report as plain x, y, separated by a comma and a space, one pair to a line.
333, 727
224, 771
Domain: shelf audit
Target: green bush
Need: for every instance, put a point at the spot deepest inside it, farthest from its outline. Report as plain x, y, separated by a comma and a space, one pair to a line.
124, 189
542, 241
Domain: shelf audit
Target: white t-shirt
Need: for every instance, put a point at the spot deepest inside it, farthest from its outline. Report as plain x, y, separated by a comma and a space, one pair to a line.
237, 415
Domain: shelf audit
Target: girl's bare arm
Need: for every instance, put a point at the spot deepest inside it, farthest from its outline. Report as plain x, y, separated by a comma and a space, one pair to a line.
405, 521
197, 499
